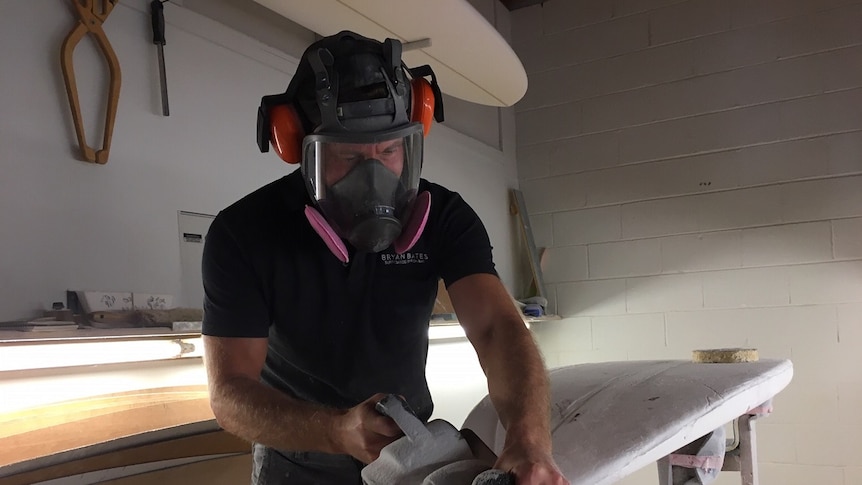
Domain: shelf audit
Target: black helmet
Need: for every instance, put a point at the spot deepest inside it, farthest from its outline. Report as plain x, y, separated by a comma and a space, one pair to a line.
350, 83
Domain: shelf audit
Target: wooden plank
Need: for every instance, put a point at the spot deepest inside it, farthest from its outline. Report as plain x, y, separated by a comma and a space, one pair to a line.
50, 415
27, 435
219, 471
209, 443
519, 208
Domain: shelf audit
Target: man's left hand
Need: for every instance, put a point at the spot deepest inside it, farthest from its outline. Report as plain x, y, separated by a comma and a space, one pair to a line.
531, 468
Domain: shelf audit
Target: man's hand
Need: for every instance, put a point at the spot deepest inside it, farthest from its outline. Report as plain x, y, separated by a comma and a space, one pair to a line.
362, 431
530, 467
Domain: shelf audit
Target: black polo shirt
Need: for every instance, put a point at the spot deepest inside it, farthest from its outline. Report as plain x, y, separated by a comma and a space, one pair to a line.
338, 333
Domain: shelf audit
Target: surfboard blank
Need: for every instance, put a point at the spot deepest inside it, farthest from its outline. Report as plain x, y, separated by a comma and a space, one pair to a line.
611, 419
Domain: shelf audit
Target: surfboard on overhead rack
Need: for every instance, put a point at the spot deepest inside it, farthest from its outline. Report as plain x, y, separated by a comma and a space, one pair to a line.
471, 59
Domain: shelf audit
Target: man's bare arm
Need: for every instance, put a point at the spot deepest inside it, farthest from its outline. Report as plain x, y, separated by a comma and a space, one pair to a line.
517, 379
256, 412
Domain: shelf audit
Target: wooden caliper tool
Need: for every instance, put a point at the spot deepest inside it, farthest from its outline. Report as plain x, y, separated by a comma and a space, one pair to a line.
91, 15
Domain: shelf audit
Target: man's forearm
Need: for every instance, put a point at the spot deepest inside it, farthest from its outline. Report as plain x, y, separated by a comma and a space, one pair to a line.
259, 413
518, 384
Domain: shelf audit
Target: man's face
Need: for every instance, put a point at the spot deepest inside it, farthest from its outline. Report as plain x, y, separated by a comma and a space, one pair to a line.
342, 157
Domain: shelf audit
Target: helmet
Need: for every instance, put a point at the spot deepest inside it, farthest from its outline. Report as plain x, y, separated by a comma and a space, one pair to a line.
355, 117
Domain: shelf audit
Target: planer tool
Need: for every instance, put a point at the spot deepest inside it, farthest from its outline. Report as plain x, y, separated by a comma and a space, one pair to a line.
432, 454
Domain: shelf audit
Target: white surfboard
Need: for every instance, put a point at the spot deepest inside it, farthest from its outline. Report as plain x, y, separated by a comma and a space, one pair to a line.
471, 59
611, 419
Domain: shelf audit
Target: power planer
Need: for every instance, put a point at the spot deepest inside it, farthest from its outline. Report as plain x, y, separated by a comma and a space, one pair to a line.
432, 454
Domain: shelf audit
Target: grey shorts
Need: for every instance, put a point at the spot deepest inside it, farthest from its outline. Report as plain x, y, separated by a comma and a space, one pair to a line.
275, 467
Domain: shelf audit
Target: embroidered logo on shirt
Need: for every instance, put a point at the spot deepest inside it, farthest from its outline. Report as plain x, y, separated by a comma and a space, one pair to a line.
406, 258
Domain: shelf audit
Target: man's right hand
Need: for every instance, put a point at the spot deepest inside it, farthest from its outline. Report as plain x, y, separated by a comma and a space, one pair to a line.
362, 431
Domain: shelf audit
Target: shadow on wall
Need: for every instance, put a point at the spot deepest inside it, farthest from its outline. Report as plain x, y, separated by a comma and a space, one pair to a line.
742, 268
774, 288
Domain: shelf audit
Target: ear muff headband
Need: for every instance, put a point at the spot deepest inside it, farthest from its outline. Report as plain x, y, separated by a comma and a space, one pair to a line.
286, 131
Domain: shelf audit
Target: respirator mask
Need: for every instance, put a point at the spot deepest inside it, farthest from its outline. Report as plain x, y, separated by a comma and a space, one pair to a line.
366, 185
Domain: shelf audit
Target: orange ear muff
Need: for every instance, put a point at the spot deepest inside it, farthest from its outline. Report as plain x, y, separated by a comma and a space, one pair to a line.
286, 133
423, 103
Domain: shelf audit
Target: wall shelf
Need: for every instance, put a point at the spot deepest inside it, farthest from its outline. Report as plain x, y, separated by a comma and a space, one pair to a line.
16, 337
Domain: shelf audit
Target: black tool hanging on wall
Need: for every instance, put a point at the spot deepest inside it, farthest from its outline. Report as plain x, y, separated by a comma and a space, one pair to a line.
157, 14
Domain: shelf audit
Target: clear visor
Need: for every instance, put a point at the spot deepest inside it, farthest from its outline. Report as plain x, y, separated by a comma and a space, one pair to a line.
330, 159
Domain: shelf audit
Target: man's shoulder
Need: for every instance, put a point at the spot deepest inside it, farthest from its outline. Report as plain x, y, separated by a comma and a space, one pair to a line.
283, 195
445, 202
439, 193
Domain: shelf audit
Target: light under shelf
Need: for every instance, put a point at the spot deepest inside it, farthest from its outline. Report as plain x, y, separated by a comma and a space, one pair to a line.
26, 355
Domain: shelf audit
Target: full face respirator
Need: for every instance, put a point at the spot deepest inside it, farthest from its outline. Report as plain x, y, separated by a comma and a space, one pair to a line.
355, 119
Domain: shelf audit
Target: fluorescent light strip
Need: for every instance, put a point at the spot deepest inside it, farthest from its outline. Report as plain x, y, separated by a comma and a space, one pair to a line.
443, 332
71, 354
450, 331
48, 355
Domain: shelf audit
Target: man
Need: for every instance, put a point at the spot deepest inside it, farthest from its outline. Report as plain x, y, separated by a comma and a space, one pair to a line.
319, 286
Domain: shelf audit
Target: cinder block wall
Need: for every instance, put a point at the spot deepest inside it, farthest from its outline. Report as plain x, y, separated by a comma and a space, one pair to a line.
694, 169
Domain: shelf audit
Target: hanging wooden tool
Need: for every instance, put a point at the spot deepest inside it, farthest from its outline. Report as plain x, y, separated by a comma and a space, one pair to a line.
91, 15
519, 207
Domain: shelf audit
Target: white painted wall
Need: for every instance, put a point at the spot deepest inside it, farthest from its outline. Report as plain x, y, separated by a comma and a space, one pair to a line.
694, 168
68, 224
